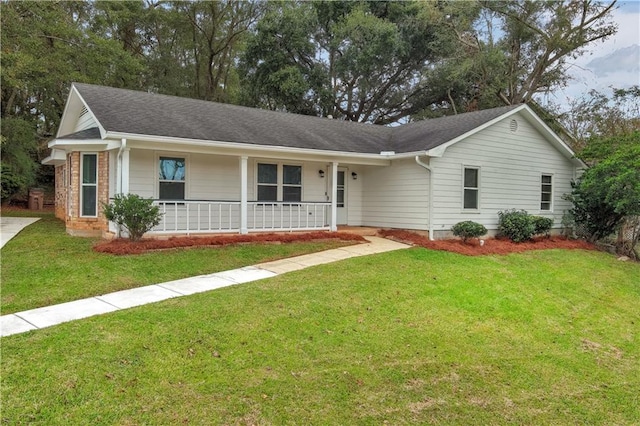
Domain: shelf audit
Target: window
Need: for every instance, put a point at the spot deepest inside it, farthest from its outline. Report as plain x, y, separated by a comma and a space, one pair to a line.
546, 192
171, 177
279, 182
267, 182
89, 185
291, 183
471, 188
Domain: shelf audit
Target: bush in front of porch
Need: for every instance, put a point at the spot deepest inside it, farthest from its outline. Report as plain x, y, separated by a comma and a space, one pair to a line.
136, 214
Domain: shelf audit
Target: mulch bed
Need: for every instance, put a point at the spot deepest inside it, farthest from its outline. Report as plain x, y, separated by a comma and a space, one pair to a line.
123, 246
491, 245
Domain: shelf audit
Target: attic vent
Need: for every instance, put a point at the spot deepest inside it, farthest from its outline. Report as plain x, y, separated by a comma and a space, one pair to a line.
84, 111
513, 126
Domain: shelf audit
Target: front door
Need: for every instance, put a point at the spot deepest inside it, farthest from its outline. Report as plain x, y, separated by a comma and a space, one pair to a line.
342, 197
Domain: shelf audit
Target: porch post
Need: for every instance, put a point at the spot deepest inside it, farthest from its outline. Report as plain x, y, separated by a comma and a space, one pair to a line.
334, 197
125, 171
243, 195
122, 168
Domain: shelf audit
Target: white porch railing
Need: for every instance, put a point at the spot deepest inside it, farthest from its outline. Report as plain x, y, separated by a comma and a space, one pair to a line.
224, 216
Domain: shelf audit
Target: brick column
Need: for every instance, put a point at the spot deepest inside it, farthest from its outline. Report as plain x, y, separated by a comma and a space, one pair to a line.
61, 192
87, 226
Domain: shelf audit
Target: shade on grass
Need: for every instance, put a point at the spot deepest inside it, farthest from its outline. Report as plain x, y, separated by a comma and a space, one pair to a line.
407, 337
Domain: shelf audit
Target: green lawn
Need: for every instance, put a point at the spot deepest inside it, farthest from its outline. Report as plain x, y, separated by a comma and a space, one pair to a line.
44, 266
407, 337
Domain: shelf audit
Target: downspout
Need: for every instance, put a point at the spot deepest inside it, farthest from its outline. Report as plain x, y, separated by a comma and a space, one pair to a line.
123, 145
426, 166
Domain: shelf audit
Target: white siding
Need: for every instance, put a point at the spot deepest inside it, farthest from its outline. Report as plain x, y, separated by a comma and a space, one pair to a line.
142, 173
396, 196
510, 165
85, 121
211, 177
215, 177
354, 195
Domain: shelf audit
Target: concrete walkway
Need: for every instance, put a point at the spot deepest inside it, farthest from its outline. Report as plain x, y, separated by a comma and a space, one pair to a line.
51, 315
10, 226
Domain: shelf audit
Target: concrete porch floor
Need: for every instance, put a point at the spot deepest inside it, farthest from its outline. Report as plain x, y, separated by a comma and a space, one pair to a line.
364, 231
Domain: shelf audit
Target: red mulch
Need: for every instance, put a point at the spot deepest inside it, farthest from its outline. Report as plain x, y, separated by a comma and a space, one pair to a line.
491, 245
123, 246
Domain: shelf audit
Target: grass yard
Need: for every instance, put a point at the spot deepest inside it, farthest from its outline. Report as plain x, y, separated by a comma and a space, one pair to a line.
408, 337
44, 266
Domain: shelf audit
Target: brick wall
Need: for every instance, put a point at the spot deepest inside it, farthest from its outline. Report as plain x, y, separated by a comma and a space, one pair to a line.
87, 226
61, 193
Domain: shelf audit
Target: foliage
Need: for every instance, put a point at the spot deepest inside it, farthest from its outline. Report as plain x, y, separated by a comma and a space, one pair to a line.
138, 215
514, 50
378, 62
542, 225
517, 225
468, 229
609, 191
354, 352
18, 148
45, 47
595, 119
365, 61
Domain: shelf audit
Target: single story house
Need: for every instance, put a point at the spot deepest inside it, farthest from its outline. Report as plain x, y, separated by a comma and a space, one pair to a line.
215, 168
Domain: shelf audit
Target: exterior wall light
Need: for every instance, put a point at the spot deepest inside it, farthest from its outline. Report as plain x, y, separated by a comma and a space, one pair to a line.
321, 173
354, 175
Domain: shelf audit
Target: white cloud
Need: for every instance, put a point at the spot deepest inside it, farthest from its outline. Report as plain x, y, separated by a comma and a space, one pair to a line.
611, 63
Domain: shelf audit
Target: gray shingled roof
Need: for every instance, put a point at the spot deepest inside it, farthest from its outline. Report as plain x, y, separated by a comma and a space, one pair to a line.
427, 134
128, 111
92, 133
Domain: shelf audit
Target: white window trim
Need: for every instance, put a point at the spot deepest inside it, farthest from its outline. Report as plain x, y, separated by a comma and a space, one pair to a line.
156, 171
479, 189
551, 203
279, 181
82, 184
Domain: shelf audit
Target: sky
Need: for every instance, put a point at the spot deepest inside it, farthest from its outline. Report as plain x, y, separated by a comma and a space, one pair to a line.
612, 63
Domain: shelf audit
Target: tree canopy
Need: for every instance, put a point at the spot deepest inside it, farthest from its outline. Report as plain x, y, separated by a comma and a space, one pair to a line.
369, 61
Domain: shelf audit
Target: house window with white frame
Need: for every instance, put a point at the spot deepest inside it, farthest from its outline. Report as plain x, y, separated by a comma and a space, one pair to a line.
471, 188
546, 192
89, 185
276, 182
171, 178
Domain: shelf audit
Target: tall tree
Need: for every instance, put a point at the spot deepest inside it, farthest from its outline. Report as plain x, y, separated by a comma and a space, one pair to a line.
517, 49
360, 61
45, 46
217, 29
599, 115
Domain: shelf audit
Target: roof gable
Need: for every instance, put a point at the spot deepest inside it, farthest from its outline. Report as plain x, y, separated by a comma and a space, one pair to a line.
428, 134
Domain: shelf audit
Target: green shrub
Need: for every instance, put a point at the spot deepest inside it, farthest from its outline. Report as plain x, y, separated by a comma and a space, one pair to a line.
468, 229
517, 225
138, 215
542, 225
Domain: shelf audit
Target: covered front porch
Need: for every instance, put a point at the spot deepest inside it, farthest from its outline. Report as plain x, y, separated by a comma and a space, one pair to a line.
202, 192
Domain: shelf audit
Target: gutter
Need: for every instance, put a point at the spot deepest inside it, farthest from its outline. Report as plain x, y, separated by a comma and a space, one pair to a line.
428, 167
